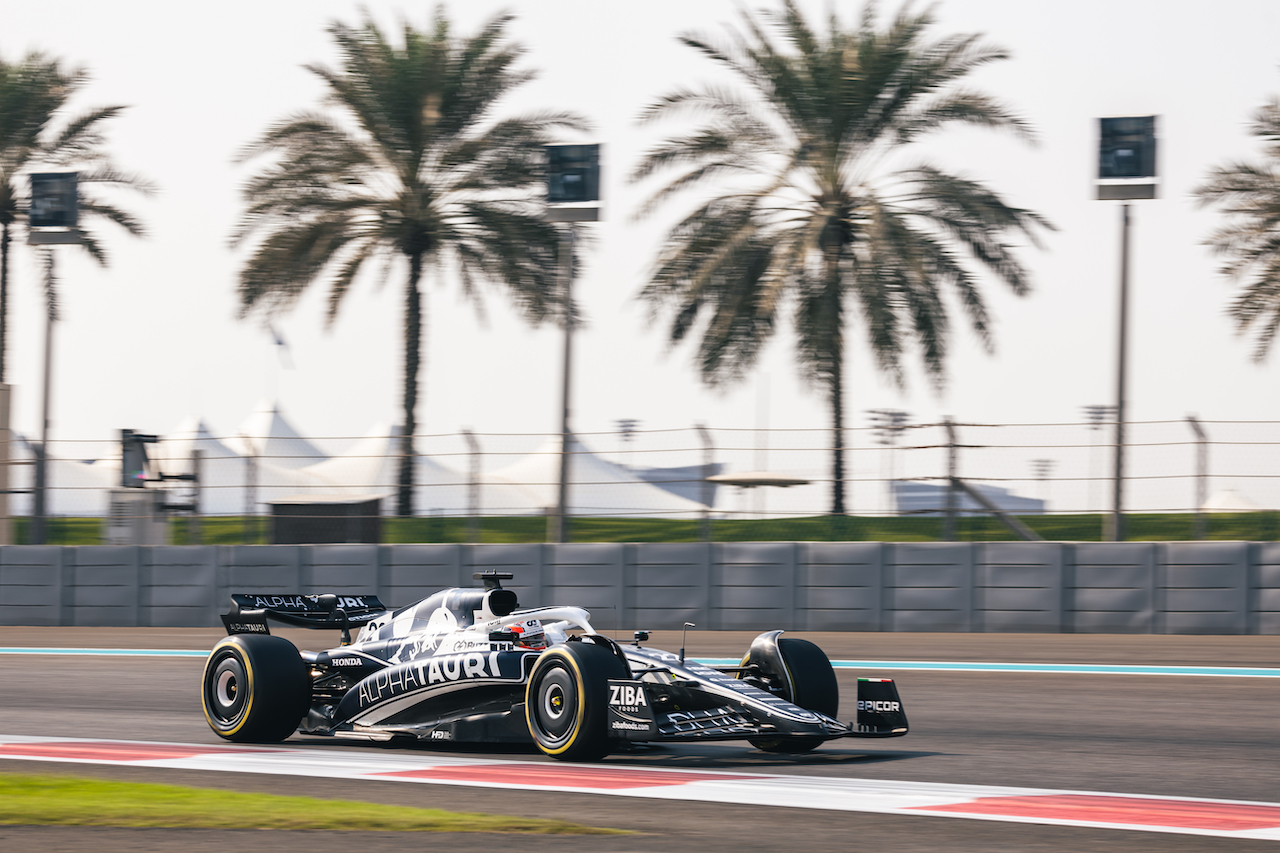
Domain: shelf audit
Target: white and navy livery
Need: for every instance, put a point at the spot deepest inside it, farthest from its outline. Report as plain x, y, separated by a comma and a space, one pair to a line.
461, 666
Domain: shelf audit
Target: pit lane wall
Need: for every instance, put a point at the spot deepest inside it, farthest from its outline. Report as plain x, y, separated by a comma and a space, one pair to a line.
1137, 587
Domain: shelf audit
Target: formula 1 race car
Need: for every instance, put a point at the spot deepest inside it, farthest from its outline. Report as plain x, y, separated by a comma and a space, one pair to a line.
469, 665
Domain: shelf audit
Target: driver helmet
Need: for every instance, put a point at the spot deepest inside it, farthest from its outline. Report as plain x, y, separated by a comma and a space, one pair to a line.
529, 634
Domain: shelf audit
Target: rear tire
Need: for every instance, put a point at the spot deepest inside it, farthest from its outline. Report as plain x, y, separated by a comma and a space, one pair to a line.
256, 689
566, 700
802, 675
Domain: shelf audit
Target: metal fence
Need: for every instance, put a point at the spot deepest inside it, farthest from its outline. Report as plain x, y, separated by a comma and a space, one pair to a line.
892, 469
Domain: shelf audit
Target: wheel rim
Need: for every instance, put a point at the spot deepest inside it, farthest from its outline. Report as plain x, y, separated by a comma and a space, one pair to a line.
228, 690
553, 703
555, 709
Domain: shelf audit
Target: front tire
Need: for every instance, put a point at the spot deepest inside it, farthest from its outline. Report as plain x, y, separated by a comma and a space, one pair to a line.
565, 700
256, 689
800, 673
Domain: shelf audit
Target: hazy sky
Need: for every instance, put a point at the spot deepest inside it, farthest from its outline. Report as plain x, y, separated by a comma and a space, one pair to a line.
153, 338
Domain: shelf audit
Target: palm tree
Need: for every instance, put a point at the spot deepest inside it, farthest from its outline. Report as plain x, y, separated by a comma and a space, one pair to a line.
409, 162
1249, 194
811, 216
34, 135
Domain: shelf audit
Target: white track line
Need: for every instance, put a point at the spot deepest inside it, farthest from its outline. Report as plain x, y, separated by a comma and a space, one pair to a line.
1190, 816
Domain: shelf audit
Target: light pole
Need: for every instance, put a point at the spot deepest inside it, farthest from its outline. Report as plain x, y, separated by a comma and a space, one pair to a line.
1043, 468
627, 429
567, 238
889, 424
1201, 529
708, 469
573, 175
1117, 503
473, 487
40, 505
52, 220
1097, 415
6, 437
1126, 170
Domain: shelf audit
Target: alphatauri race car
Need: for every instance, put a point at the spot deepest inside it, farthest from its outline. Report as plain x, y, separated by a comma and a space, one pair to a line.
469, 665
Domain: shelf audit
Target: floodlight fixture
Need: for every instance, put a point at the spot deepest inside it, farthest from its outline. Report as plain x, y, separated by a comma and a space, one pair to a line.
573, 173
1127, 158
54, 200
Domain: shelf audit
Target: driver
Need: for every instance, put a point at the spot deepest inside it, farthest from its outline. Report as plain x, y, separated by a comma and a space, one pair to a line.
529, 634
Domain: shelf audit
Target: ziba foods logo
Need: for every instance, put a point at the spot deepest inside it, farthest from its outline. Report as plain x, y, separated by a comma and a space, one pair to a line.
627, 697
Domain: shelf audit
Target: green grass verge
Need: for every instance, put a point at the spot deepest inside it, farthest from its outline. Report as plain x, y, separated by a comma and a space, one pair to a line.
35, 800
1146, 527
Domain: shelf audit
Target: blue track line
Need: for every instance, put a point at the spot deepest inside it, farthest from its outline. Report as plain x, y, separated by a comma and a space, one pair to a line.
898, 665
1054, 668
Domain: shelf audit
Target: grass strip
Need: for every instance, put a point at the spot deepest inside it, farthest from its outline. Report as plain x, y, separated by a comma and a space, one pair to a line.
41, 800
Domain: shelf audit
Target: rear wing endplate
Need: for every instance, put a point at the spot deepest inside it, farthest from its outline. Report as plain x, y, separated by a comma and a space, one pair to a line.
249, 613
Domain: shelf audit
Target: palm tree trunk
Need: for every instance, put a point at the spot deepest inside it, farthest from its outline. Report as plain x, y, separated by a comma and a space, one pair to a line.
412, 360
835, 344
4, 294
837, 425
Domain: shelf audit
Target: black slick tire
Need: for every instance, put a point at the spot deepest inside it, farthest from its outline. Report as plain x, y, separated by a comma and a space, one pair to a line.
805, 677
255, 689
566, 700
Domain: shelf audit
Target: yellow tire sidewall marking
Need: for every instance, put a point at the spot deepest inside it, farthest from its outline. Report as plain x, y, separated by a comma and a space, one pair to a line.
582, 701
248, 674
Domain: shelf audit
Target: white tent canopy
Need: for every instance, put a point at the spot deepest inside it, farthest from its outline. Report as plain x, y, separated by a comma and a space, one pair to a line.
76, 488
173, 453
1229, 500
372, 465
266, 435
230, 484
284, 464
597, 487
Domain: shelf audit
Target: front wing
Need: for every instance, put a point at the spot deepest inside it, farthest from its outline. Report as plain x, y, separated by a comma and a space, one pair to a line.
637, 712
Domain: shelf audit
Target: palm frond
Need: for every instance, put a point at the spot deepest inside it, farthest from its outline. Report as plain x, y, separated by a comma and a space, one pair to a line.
289, 259
960, 107
507, 245
112, 213
81, 138
1248, 196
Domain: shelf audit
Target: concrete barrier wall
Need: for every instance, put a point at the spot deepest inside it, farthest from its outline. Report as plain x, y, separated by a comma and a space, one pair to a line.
1130, 587
1264, 588
840, 586
31, 585
1019, 587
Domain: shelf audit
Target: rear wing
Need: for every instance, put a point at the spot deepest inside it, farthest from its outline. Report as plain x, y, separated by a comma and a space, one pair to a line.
249, 613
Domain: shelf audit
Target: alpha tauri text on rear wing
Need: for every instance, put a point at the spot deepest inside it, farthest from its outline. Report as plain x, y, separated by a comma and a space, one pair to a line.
249, 612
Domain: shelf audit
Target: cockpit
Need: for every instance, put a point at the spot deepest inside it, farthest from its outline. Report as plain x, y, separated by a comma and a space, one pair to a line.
445, 612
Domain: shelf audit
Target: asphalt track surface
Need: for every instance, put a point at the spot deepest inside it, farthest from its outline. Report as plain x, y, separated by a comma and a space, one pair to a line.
1213, 737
